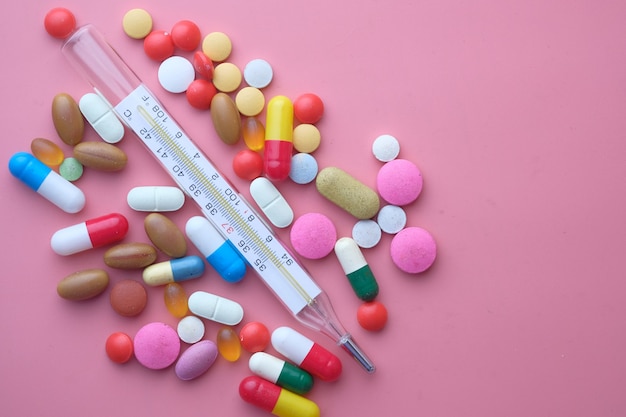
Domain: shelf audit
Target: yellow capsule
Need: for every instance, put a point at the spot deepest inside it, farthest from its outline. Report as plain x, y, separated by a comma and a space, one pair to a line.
176, 299
228, 344
47, 152
279, 119
253, 133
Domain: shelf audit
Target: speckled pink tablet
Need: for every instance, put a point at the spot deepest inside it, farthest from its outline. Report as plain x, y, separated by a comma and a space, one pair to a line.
399, 182
313, 235
196, 360
413, 250
156, 345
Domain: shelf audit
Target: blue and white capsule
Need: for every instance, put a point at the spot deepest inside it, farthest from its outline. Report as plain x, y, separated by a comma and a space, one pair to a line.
219, 252
175, 270
46, 182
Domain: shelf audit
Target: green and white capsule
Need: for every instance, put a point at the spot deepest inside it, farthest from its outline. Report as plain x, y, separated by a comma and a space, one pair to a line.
281, 373
356, 269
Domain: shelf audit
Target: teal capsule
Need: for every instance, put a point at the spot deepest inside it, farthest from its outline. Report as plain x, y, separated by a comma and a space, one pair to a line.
176, 270
281, 373
356, 269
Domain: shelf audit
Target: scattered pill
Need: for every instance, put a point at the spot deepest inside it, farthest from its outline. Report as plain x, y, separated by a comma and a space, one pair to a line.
215, 308
253, 133
200, 93
165, 235
196, 360
137, 23
119, 347
306, 354
59, 22
248, 164
67, 119
413, 250
391, 219
155, 198
71, 169
158, 45
281, 373
186, 35
134, 255
101, 117
313, 235
156, 345
226, 118
250, 101
100, 156
175, 74
303, 168
47, 183
347, 192
356, 268
175, 299
226, 77
47, 152
217, 46
306, 138
190, 329
254, 336
271, 202
258, 73
385, 148
175, 270
399, 182
83, 285
308, 108
128, 298
203, 65
228, 344
372, 316
276, 400
366, 233
218, 251
278, 138
92, 233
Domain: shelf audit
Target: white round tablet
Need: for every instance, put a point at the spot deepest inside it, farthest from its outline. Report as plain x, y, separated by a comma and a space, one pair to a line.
258, 73
366, 233
386, 148
391, 219
303, 168
190, 329
175, 74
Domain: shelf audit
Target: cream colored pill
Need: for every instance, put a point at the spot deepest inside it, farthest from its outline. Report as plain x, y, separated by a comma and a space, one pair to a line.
215, 308
347, 192
271, 202
137, 23
217, 46
227, 77
155, 198
250, 101
190, 329
101, 117
306, 138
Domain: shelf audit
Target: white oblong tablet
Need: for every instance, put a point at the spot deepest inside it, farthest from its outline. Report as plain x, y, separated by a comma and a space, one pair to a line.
155, 198
190, 329
258, 73
386, 148
215, 308
101, 117
175, 74
366, 233
391, 219
271, 202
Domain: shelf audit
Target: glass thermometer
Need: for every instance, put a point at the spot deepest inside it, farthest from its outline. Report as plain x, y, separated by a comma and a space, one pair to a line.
90, 54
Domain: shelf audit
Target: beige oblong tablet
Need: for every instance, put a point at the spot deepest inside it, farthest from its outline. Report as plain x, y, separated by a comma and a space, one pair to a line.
347, 192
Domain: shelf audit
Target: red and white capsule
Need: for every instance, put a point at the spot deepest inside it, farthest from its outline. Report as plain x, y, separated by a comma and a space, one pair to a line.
307, 354
90, 234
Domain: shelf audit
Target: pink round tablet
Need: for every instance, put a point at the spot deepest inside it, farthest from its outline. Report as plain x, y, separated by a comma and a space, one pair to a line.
313, 235
399, 182
413, 250
156, 345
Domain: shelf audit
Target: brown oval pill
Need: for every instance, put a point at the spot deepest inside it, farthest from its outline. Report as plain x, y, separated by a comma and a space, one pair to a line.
226, 118
83, 285
130, 256
67, 118
347, 192
100, 156
128, 298
165, 235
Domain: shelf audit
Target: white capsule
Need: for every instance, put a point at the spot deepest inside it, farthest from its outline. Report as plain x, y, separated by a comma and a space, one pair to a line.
215, 308
101, 117
155, 198
271, 202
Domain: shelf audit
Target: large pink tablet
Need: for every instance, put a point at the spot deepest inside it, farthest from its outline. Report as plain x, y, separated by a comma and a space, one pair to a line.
156, 345
399, 182
413, 250
313, 235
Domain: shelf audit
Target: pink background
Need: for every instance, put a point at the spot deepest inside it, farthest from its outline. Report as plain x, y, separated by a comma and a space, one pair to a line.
514, 111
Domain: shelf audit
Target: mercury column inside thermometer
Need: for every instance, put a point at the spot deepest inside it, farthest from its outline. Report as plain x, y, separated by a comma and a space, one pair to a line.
219, 201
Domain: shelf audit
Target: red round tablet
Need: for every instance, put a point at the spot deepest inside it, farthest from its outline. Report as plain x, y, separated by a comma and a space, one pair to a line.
119, 347
200, 93
158, 45
308, 108
248, 164
59, 22
254, 337
372, 315
186, 35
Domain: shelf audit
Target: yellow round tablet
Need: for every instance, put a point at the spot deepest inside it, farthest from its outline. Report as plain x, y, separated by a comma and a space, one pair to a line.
137, 23
306, 138
217, 46
226, 77
250, 101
